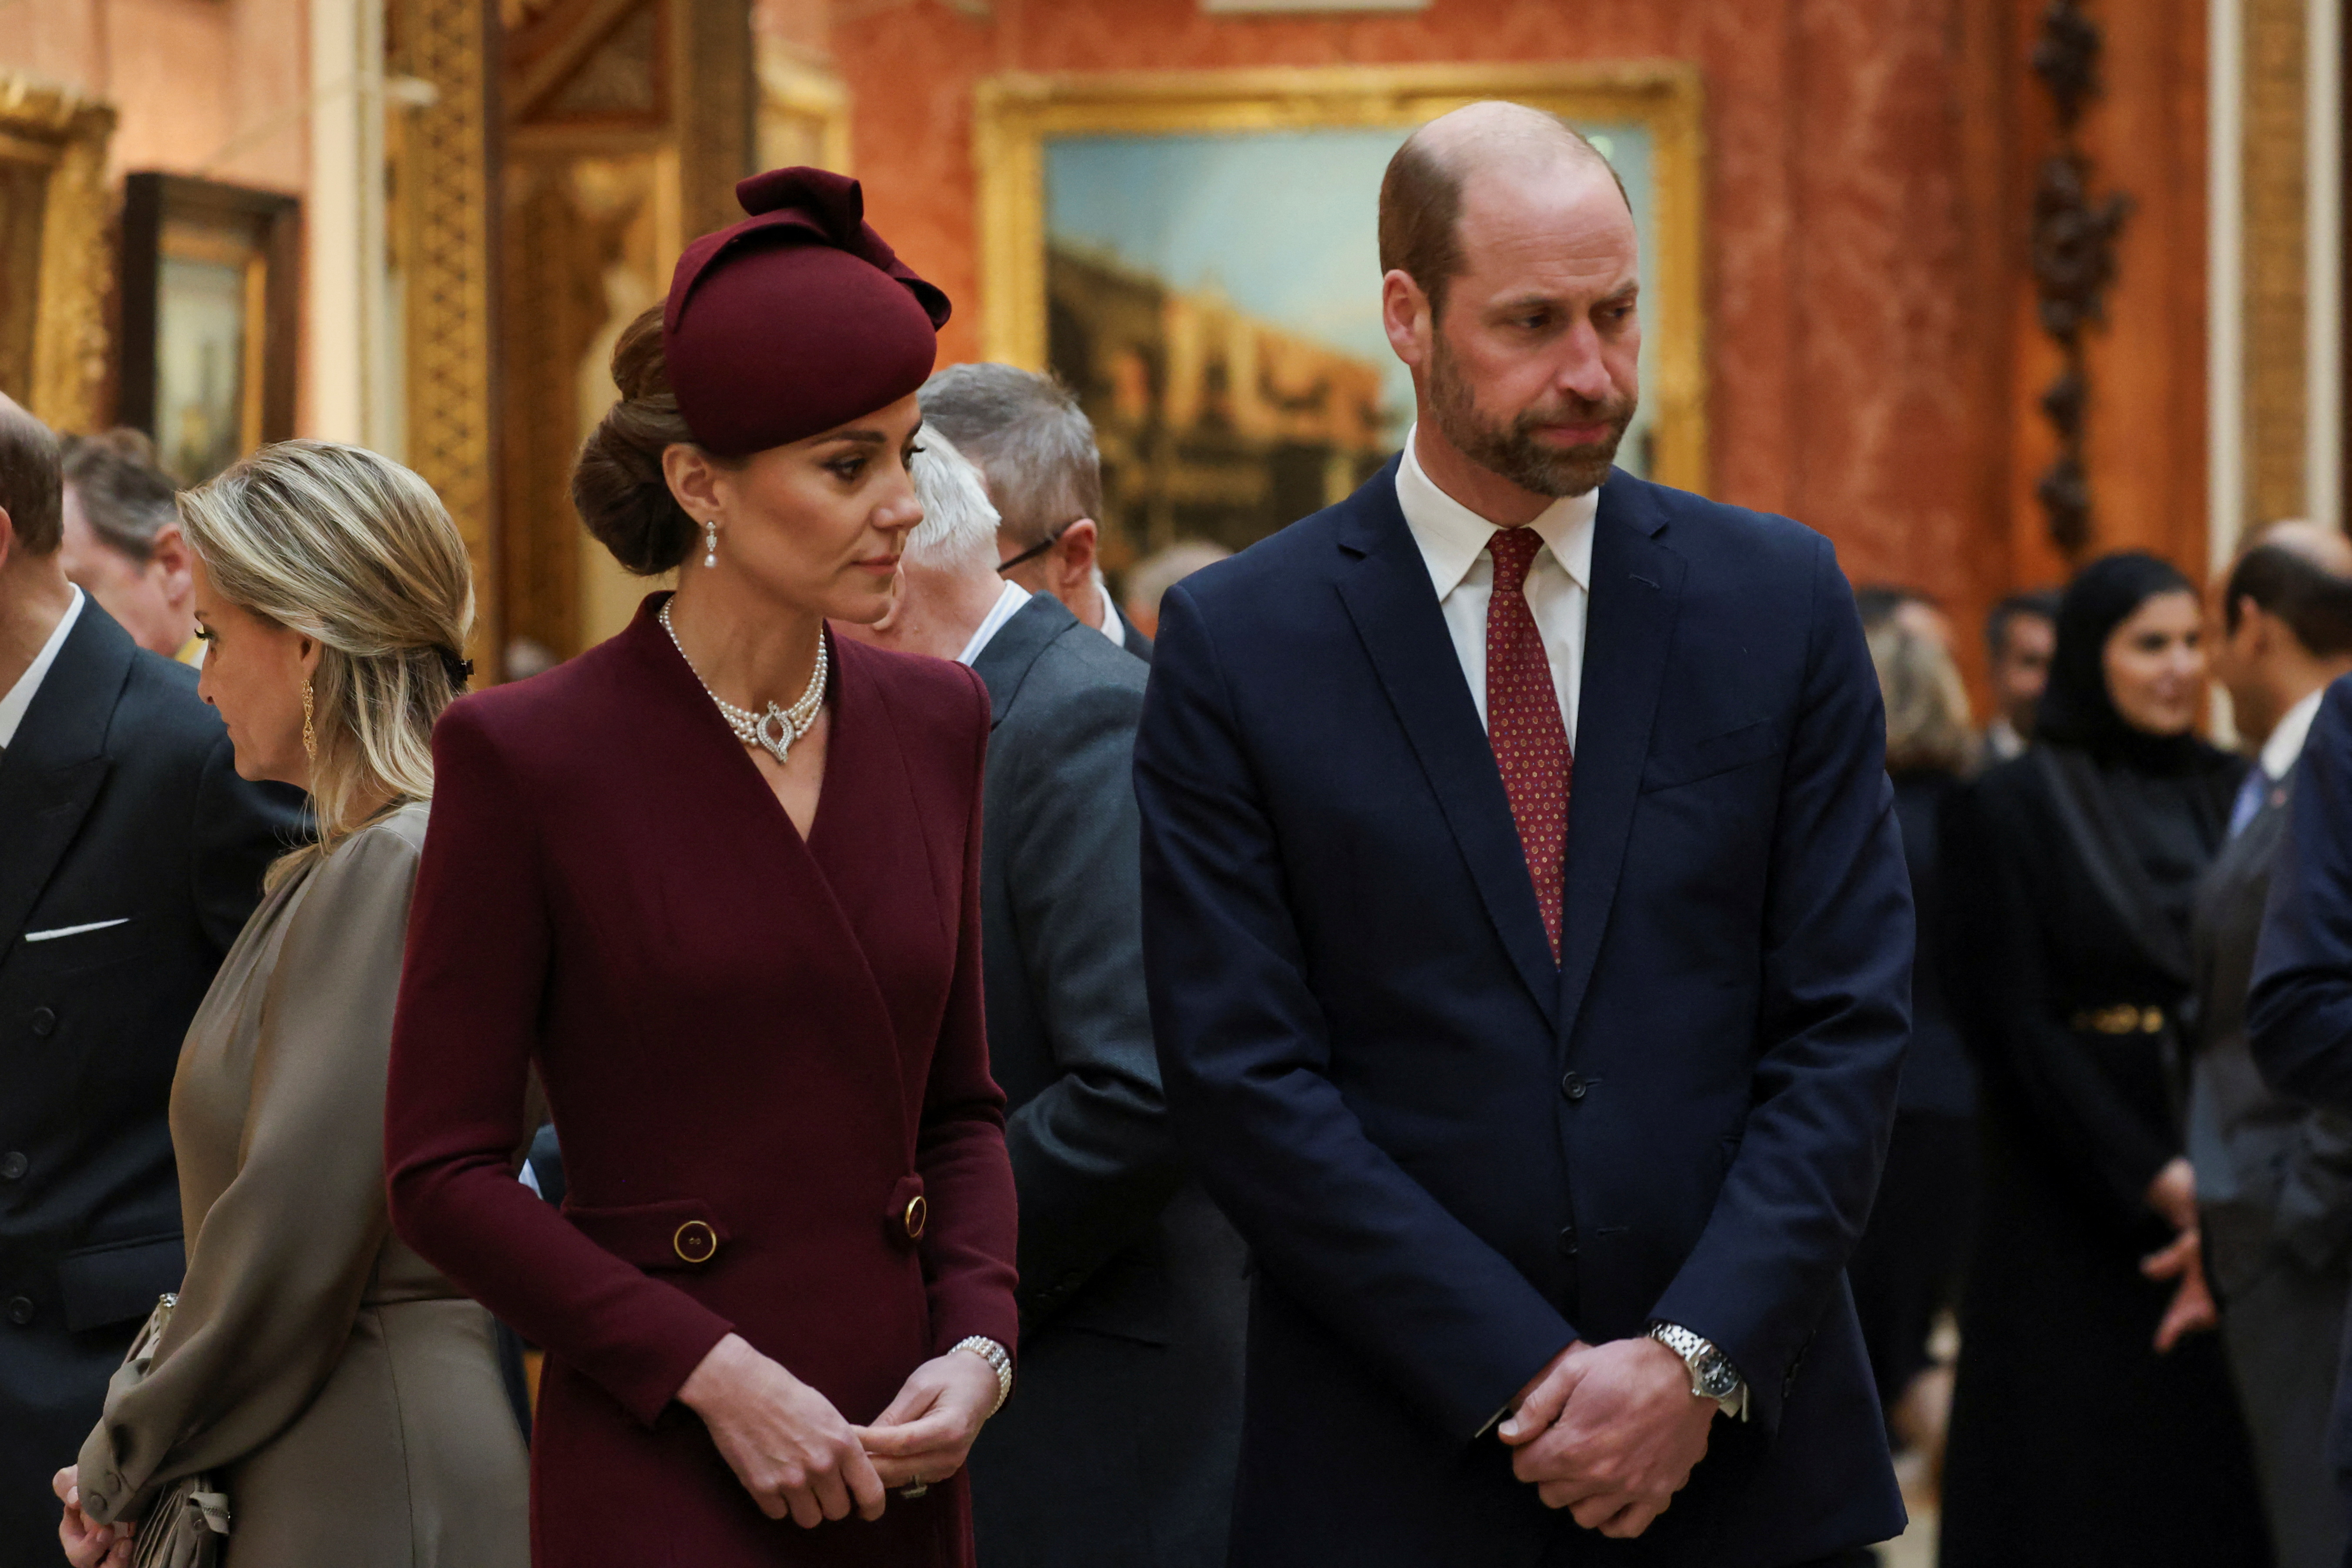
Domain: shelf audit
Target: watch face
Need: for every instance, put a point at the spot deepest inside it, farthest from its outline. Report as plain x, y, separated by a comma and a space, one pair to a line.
1717, 1377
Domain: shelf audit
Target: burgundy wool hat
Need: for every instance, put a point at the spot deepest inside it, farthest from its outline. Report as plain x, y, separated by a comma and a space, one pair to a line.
796, 320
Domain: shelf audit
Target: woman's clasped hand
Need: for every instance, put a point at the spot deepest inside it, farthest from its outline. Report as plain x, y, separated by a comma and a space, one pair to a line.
88, 1545
800, 1457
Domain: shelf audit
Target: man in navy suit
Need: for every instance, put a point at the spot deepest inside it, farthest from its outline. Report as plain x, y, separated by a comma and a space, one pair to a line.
2299, 1015
1528, 942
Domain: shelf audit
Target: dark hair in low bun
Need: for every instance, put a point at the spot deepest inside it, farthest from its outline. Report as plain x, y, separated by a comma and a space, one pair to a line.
617, 482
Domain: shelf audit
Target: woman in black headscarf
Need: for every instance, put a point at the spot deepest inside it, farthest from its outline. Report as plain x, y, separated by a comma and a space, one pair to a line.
2092, 1421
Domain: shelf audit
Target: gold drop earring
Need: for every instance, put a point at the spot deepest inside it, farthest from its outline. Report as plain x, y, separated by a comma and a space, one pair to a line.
309, 736
710, 542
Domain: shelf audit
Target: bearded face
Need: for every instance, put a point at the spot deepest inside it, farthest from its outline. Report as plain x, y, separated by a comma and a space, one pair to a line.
1509, 445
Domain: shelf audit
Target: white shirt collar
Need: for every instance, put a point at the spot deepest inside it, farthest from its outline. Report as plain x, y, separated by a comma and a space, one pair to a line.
1112, 627
20, 696
1008, 605
1452, 537
2285, 744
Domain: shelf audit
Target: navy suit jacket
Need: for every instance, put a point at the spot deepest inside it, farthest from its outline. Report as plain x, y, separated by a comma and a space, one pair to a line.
2299, 1015
1451, 1157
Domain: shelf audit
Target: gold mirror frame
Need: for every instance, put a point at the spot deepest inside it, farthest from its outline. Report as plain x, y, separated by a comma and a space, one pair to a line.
53, 127
1015, 115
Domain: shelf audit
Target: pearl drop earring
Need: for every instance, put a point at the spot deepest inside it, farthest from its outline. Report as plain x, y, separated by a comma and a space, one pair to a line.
710, 541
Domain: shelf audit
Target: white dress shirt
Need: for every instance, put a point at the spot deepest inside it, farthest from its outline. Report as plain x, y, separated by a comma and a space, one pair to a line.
2285, 748
20, 696
1008, 605
1112, 627
1452, 541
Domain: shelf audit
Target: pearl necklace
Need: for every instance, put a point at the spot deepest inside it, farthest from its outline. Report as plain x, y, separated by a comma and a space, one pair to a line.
775, 730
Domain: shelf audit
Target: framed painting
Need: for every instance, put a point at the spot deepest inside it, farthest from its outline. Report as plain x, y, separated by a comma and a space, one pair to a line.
53, 272
209, 304
1194, 254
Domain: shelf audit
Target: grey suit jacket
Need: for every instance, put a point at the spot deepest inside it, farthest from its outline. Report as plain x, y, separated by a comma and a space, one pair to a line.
1120, 1443
2273, 1176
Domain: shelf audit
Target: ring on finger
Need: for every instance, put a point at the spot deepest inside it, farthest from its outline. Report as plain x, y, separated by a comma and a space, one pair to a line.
914, 1489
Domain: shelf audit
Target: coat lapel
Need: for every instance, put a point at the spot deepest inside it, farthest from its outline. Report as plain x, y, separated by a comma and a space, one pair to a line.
1386, 589
1006, 662
715, 769
1635, 591
53, 769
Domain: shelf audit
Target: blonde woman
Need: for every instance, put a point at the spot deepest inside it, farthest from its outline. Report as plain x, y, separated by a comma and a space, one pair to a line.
336, 1388
1907, 1269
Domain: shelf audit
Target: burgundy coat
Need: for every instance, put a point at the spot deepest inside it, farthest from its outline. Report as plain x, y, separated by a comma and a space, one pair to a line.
759, 1052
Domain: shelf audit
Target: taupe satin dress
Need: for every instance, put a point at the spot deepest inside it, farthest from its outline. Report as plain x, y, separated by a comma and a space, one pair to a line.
342, 1390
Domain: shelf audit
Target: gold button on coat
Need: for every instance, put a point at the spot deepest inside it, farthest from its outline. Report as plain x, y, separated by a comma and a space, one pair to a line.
695, 1242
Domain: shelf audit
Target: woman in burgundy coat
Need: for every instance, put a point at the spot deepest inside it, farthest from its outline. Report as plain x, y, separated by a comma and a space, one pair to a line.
716, 881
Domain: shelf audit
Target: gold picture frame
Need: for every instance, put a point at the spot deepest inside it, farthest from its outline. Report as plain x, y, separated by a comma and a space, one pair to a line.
56, 267
1018, 116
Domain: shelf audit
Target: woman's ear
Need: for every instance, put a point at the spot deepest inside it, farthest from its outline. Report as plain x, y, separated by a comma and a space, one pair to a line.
693, 479
306, 654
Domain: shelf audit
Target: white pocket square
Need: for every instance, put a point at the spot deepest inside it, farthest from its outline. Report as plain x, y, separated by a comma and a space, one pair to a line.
53, 933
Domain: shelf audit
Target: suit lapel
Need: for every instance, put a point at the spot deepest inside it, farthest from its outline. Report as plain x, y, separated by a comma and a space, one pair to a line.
52, 771
1006, 662
1635, 591
1388, 595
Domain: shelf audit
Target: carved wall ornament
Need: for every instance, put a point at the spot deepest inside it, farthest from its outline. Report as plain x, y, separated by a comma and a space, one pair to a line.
443, 183
2074, 239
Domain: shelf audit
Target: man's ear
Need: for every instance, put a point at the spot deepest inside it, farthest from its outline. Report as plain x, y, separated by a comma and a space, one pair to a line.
169, 550
1073, 556
7, 538
1406, 316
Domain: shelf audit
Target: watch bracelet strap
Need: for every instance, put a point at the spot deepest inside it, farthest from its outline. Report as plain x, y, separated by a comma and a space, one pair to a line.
998, 1360
1691, 1346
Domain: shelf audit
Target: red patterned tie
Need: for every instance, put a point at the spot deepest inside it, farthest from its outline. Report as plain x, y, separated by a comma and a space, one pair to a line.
1524, 724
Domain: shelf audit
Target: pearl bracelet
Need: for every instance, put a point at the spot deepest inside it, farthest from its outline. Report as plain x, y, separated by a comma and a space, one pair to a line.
999, 1362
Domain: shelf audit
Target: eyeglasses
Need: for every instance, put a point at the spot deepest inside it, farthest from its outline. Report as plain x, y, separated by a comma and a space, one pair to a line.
1039, 547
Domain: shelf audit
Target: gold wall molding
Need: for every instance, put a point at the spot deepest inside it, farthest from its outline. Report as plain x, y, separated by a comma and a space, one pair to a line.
1015, 115
2275, 252
445, 245
53, 298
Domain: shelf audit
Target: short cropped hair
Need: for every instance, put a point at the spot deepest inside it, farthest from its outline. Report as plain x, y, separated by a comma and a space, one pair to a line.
959, 526
2036, 604
32, 490
2314, 603
125, 497
1420, 211
1029, 437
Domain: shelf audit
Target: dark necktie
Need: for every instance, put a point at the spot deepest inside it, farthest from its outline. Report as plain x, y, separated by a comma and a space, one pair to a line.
1524, 724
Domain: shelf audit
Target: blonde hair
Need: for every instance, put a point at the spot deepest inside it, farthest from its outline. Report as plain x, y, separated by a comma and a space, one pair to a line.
1926, 705
355, 552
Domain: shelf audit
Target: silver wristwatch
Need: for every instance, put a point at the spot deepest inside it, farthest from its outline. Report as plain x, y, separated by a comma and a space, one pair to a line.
1712, 1375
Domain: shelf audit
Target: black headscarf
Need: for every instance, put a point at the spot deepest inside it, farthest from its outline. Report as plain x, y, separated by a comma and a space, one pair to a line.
2076, 708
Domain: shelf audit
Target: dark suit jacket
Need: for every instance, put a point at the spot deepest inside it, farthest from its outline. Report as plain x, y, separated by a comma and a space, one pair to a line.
1452, 1158
1121, 1446
2299, 1020
120, 809
2273, 1175
762, 1050
2300, 1015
